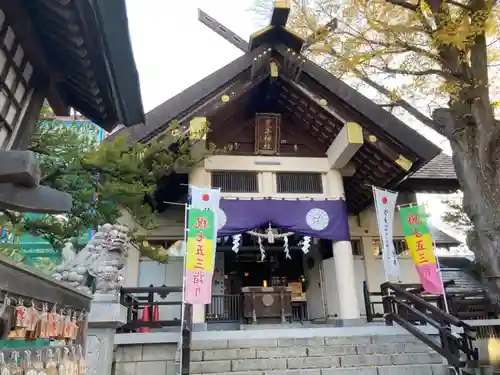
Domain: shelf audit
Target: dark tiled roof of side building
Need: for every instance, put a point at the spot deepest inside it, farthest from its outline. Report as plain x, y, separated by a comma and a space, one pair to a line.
441, 167
442, 238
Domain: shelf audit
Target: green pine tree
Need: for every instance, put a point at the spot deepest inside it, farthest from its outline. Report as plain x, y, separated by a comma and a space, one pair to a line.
122, 175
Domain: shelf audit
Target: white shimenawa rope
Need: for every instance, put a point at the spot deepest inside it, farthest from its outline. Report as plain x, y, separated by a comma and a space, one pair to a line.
261, 248
285, 248
236, 243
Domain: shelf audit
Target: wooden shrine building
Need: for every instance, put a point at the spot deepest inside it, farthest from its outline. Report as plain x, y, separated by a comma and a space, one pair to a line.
304, 149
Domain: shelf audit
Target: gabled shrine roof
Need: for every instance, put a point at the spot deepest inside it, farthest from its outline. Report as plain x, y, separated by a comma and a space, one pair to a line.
180, 106
321, 102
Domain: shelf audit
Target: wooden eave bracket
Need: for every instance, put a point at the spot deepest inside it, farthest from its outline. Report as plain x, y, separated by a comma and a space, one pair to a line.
345, 145
294, 63
259, 62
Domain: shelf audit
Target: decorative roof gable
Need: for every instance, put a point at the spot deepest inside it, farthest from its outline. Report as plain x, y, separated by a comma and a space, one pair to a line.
272, 72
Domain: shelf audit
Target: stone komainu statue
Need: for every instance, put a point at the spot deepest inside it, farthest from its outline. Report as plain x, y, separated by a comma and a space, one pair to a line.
102, 259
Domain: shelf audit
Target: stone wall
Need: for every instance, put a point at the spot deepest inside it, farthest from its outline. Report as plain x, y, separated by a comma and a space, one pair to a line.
148, 359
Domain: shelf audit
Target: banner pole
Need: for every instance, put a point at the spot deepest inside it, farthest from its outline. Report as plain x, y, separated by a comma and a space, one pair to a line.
446, 308
438, 263
377, 187
186, 310
186, 211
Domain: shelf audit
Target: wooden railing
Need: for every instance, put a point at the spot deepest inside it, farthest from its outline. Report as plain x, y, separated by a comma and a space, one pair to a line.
465, 305
229, 309
406, 308
374, 299
371, 304
472, 305
225, 308
136, 299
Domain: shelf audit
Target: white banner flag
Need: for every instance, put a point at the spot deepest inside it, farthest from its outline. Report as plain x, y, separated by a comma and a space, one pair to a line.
205, 198
385, 206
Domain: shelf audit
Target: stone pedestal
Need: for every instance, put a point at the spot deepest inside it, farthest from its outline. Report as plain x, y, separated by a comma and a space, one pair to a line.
198, 316
106, 315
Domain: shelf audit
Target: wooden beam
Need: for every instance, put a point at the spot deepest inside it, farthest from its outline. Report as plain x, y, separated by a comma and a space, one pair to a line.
20, 21
40, 199
223, 31
400, 160
20, 280
348, 171
281, 11
345, 145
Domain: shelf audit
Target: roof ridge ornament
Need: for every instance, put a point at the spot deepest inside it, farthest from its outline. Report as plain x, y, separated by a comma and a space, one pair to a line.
275, 33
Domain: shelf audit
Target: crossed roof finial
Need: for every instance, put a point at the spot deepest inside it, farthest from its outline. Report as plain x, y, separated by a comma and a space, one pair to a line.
275, 33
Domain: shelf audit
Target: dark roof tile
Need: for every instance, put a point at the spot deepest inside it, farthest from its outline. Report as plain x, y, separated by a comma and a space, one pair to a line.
442, 238
441, 167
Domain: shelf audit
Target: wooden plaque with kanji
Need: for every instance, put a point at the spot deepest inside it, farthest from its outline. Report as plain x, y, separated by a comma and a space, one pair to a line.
267, 133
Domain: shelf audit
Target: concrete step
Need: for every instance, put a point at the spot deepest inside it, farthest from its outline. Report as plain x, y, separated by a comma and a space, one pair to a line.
382, 370
356, 355
304, 351
232, 354
302, 341
304, 362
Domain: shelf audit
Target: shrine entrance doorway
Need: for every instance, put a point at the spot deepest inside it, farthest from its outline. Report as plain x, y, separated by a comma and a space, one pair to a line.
260, 270
247, 268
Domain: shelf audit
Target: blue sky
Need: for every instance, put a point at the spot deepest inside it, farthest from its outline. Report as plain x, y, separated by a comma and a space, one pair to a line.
173, 50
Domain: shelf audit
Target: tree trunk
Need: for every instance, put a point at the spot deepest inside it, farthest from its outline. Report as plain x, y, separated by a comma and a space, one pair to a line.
482, 206
481, 195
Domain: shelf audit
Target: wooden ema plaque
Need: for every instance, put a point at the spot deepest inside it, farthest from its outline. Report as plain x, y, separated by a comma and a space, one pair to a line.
267, 133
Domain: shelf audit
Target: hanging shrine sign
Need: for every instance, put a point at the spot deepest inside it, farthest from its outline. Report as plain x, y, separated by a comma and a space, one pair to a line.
420, 244
267, 133
200, 256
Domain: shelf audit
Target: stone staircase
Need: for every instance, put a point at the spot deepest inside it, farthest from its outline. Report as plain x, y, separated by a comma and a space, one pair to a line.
354, 355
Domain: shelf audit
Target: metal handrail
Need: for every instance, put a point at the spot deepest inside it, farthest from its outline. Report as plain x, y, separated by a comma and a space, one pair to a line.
451, 345
448, 318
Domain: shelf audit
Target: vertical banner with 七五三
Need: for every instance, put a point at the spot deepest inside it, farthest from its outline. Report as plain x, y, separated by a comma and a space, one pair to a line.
199, 256
420, 244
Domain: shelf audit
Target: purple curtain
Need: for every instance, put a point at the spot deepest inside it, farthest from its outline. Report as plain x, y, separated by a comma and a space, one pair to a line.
325, 219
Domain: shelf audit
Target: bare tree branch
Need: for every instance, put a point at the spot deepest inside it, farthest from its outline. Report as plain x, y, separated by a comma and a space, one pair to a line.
388, 93
403, 4
460, 5
419, 73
